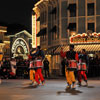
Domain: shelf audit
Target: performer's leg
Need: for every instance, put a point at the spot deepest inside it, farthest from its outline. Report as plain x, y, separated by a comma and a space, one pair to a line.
37, 77
72, 78
79, 77
39, 72
32, 75
85, 77
68, 79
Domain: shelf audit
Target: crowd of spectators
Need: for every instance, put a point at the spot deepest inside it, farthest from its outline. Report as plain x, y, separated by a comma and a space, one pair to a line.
21, 68
18, 68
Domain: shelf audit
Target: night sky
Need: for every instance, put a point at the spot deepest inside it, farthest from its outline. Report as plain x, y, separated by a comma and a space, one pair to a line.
17, 11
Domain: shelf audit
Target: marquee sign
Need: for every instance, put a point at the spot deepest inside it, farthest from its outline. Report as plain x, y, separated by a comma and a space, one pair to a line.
20, 46
85, 38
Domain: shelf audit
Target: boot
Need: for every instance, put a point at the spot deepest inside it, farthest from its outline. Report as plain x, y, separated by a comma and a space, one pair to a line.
73, 85
43, 82
79, 84
86, 82
68, 86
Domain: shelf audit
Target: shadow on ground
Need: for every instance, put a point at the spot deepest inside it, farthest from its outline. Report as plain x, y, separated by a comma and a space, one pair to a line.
87, 86
29, 86
71, 91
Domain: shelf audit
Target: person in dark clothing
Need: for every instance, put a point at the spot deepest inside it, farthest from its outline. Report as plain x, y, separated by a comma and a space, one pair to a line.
63, 62
46, 67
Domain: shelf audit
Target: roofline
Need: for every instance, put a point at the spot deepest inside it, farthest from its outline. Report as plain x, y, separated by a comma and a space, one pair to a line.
3, 29
39, 2
26, 32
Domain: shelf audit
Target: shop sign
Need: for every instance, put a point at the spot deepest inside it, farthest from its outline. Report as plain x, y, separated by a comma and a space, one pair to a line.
34, 31
20, 42
85, 38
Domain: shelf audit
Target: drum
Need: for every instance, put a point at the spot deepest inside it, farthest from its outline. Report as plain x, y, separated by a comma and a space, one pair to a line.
72, 65
82, 67
38, 63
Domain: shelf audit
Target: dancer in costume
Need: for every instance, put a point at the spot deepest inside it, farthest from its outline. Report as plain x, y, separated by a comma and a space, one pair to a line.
38, 64
82, 67
71, 66
32, 70
1, 63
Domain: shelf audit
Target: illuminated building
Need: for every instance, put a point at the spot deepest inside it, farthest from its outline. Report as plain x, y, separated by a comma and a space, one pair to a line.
3, 41
21, 43
60, 19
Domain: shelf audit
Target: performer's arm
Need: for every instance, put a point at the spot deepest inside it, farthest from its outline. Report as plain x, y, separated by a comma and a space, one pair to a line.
76, 57
62, 54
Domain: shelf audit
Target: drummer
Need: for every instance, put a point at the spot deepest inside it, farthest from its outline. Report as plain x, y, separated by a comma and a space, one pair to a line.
71, 55
32, 71
39, 55
83, 58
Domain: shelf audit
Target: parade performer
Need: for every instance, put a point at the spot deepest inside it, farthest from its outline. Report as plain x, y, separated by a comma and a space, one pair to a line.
38, 64
1, 63
32, 70
82, 67
63, 60
71, 66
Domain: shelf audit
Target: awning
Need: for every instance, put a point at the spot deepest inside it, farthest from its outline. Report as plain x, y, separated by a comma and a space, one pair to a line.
65, 48
51, 50
88, 48
42, 32
53, 11
54, 29
78, 48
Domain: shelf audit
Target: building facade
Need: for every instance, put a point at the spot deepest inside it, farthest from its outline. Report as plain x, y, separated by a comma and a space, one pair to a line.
60, 19
21, 44
4, 43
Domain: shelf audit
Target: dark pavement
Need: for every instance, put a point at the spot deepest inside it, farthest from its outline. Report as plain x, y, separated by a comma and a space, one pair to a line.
52, 90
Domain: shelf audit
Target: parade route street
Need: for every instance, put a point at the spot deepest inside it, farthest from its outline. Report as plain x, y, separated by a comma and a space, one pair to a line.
52, 90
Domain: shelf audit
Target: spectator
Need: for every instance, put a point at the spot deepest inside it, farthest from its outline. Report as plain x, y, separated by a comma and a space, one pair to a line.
13, 66
46, 67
